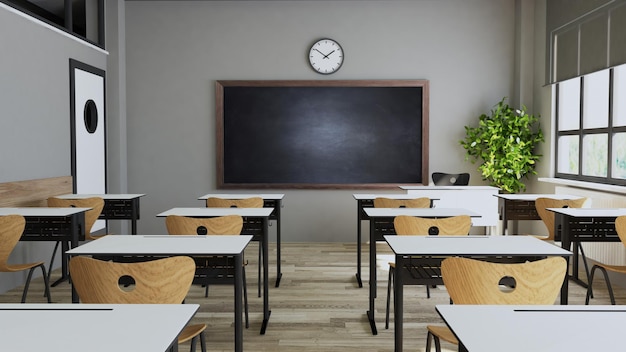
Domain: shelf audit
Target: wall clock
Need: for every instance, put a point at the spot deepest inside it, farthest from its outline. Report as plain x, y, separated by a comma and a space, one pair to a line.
326, 56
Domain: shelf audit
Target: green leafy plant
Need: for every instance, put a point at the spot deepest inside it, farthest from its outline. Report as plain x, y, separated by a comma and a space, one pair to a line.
504, 142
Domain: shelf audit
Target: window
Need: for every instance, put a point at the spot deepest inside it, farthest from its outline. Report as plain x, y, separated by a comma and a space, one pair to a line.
591, 127
82, 18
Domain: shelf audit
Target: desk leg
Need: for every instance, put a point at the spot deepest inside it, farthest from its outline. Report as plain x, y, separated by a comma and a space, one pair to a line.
398, 303
372, 279
279, 272
359, 205
134, 217
64, 261
238, 298
266, 291
78, 224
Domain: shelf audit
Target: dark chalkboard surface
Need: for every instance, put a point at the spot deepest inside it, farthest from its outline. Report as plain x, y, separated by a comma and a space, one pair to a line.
322, 134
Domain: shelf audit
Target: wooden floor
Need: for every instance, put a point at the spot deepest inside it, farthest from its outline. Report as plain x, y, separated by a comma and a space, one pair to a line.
318, 306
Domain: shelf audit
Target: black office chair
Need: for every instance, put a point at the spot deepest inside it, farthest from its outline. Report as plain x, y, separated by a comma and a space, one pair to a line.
444, 179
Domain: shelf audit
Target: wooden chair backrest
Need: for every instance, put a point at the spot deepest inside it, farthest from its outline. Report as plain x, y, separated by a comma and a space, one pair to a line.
221, 225
160, 281
253, 202
11, 229
382, 202
471, 281
542, 203
95, 203
620, 227
412, 225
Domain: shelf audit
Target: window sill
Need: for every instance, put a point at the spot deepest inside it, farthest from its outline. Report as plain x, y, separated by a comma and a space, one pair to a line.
586, 185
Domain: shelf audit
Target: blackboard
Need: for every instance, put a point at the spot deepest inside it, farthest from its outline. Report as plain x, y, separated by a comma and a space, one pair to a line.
321, 134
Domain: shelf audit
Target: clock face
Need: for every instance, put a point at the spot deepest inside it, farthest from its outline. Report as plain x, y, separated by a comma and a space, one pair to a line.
326, 56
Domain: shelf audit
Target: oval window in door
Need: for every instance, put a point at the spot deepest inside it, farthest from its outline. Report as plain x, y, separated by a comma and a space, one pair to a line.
90, 115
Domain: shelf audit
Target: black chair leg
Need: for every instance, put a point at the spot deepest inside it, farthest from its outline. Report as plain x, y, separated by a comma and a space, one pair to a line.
193, 344
46, 282
429, 338
608, 284
30, 275
202, 342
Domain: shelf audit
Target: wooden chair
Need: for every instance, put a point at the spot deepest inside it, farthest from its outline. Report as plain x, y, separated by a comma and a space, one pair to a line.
160, 281
620, 227
382, 202
444, 179
411, 225
252, 202
471, 281
95, 203
543, 203
222, 225
11, 229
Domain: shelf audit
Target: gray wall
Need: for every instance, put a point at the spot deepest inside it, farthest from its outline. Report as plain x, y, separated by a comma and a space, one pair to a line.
176, 50
35, 110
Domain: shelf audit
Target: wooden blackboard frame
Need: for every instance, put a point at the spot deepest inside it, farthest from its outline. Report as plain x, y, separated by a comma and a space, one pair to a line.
220, 129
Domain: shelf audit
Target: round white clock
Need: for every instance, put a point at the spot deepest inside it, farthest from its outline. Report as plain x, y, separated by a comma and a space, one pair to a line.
326, 56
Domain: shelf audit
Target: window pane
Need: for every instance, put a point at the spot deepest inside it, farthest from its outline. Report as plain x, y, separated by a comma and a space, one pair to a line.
619, 156
568, 155
569, 105
595, 155
596, 100
619, 91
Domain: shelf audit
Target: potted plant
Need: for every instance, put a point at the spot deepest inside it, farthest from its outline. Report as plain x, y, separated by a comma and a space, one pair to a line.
504, 142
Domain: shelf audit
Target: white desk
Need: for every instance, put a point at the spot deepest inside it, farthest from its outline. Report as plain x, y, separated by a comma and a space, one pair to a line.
381, 223
478, 198
52, 224
489, 328
93, 327
116, 206
270, 200
165, 245
409, 250
256, 222
574, 225
366, 200
515, 207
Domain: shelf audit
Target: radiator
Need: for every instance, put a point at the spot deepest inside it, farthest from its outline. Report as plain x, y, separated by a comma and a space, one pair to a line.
611, 252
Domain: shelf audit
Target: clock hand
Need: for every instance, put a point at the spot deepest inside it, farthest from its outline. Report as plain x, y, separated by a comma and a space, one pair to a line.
320, 52
326, 56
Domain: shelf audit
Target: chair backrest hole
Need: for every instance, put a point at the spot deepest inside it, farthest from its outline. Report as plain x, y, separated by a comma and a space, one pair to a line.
507, 284
126, 283
433, 231
201, 230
